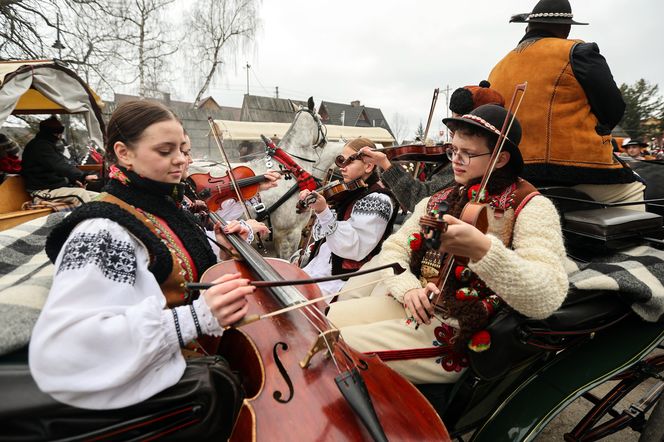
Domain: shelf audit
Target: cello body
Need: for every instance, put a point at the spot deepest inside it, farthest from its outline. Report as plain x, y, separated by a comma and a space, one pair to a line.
286, 401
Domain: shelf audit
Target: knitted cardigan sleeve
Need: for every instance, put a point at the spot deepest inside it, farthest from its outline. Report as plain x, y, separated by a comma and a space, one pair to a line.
410, 191
396, 249
530, 277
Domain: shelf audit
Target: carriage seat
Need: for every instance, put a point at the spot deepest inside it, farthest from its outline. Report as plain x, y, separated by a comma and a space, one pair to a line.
589, 226
612, 224
515, 338
12, 197
202, 405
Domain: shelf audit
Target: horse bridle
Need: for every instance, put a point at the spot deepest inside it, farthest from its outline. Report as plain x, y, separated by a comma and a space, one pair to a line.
321, 136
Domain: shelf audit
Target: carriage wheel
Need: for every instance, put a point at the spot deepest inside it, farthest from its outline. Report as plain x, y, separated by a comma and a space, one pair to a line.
633, 416
654, 428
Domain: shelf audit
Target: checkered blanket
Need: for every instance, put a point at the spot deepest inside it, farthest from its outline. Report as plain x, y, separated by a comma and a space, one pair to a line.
636, 275
26, 278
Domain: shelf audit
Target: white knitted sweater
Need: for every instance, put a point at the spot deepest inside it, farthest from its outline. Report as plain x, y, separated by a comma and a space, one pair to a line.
529, 277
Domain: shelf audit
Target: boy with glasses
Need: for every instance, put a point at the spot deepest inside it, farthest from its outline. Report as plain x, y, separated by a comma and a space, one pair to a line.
407, 189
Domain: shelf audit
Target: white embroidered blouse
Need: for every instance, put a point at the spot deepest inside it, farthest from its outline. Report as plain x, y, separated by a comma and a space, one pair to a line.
105, 338
352, 239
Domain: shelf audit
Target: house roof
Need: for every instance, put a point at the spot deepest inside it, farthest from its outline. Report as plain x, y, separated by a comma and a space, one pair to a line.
184, 109
352, 115
277, 110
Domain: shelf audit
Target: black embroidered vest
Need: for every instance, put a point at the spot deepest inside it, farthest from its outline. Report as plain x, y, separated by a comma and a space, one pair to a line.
344, 210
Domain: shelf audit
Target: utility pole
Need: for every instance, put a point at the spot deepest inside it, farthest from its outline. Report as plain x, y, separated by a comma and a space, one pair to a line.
276, 90
248, 66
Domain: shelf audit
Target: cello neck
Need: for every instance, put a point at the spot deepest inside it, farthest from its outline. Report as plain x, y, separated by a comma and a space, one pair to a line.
286, 295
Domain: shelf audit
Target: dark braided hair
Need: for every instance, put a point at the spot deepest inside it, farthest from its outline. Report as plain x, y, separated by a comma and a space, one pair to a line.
129, 121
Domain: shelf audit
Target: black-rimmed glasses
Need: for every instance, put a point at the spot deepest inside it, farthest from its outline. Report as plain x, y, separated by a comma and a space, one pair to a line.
463, 156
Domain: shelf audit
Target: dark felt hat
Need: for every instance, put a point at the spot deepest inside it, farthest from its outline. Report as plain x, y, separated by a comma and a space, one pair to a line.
633, 142
548, 11
490, 117
51, 125
467, 98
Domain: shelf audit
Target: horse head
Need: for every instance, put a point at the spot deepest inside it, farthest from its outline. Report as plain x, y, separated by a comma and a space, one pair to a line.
307, 130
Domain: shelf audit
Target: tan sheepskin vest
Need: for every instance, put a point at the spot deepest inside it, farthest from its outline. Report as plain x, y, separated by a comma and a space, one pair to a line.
558, 124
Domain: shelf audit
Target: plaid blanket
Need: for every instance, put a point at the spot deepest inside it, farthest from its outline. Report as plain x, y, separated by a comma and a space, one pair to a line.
636, 274
26, 279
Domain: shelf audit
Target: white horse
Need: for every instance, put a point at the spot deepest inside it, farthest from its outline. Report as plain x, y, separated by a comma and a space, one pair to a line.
305, 142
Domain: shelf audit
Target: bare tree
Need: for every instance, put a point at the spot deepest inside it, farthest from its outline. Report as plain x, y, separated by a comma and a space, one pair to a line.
23, 25
28, 29
139, 32
399, 126
217, 29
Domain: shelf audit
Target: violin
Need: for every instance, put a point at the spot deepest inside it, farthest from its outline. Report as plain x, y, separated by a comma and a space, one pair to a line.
216, 190
416, 152
295, 393
333, 193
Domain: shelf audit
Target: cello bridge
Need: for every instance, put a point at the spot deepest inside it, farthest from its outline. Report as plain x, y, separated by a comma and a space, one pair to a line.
324, 341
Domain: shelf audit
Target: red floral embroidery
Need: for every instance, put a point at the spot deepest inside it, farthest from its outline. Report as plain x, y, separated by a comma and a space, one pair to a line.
449, 360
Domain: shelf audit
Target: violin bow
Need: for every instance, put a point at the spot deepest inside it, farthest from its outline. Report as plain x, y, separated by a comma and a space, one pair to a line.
220, 144
265, 284
253, 318
434, 100
512, 110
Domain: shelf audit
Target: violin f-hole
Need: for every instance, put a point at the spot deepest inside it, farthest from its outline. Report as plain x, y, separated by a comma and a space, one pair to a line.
277, 395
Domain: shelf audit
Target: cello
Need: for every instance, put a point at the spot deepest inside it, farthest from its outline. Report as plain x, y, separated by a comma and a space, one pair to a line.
302, 381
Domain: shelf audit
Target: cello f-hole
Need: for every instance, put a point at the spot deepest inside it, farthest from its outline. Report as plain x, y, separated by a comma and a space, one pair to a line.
291, 392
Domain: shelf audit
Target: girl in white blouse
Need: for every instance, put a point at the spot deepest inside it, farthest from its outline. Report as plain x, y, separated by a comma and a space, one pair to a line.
351, 233
118, 313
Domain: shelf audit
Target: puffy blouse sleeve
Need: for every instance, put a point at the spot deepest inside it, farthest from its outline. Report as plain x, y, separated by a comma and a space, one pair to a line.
105, 338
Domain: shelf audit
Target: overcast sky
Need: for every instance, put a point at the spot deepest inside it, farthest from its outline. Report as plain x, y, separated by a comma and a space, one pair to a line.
392, 54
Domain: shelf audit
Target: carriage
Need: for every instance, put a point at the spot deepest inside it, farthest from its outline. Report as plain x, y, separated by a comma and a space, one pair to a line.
42, 87
533, 370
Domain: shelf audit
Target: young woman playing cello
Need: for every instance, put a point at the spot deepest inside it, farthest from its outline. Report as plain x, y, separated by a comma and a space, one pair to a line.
518, 262
118, 314
353, 232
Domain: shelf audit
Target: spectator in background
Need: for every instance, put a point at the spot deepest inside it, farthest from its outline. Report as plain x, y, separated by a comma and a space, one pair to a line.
10, 152
47, 172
